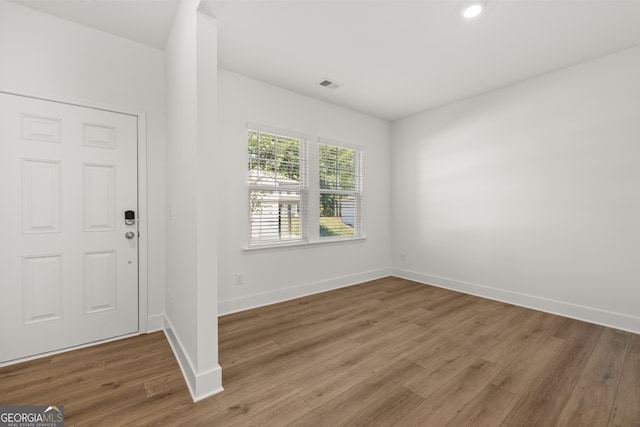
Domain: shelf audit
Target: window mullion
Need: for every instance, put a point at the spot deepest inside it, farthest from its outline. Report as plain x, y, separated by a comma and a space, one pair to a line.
313, 177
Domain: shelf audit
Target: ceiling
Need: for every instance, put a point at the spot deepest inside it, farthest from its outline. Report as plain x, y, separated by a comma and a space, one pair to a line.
145, 21
392, 58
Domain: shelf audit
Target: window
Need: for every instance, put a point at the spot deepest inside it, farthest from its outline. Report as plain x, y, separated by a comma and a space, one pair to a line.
281, 195
340, 191
277, 187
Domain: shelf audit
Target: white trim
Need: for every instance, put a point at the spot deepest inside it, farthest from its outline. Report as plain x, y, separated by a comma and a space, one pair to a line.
208, 383
200, 385
155, 323
340, 144
184, 362
143, 229
70, 101
303, 137
609, 319
300, 244
279, 295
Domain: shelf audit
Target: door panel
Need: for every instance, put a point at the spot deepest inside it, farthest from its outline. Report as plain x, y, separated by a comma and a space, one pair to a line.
68, 275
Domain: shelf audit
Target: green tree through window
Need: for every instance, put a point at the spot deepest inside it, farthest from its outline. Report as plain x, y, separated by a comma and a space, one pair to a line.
339, 191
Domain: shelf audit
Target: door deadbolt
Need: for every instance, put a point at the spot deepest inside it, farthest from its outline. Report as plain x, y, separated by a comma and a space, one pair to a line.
129, 234
130, 217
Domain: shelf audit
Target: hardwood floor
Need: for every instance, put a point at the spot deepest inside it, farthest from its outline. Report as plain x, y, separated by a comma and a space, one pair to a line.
387, 352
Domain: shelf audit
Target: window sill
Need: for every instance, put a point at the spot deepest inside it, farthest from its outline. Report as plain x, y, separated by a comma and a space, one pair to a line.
269, 247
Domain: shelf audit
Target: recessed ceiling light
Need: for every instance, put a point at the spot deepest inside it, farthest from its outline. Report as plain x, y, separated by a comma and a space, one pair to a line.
472, 10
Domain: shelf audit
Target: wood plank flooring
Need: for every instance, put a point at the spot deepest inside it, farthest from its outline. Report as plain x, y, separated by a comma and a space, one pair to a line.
388, 352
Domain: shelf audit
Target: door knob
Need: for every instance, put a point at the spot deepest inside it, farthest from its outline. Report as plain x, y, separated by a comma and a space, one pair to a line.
130, 235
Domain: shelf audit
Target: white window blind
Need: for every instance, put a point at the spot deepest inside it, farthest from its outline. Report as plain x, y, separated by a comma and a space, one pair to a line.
278, 193
340, 191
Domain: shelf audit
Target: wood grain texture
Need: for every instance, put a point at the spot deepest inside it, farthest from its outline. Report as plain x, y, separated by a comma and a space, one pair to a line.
390, 352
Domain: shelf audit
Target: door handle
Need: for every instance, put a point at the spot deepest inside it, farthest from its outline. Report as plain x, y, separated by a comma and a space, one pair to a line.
129, 235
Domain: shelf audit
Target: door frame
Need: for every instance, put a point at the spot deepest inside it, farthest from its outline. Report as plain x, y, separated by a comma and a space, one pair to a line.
141, 116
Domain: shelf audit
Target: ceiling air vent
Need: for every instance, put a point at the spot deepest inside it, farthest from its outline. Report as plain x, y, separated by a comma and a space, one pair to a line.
329, 84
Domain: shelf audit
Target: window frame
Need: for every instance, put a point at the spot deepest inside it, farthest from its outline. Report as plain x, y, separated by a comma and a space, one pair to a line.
309, 193
356, 192
302, 187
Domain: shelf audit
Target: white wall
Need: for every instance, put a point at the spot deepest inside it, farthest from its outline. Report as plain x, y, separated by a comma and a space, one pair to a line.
49, 57
191, 264
528, 194
181, 104
275, 275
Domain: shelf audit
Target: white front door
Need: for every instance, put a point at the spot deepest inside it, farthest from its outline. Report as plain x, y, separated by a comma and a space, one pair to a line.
68, 273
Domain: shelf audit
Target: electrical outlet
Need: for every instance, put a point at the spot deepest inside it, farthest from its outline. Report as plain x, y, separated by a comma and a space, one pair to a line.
402, 257
238, 279
171, 299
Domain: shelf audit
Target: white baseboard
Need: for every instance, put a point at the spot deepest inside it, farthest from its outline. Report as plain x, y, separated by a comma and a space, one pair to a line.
272, 297
201, 384
155, 323
587, 314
